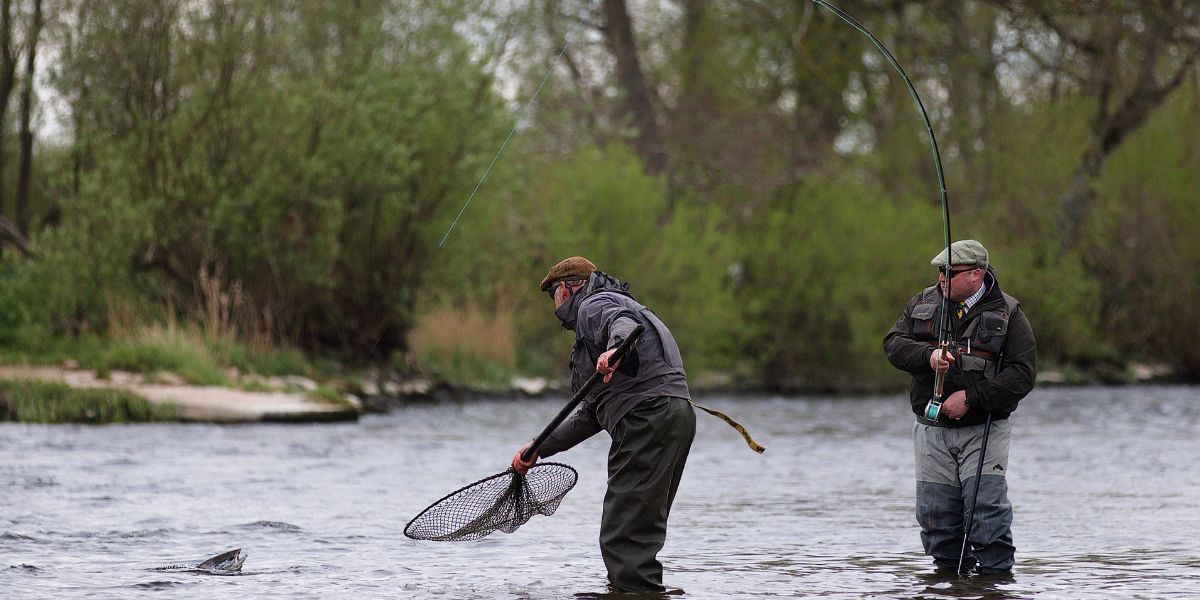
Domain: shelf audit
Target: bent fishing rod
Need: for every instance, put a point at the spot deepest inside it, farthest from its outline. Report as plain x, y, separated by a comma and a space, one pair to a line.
934, 407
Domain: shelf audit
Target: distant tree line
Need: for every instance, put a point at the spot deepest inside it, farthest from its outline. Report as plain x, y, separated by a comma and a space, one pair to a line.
756, 169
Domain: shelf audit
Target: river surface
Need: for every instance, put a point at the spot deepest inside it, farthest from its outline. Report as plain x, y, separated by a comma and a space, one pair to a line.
1105, 484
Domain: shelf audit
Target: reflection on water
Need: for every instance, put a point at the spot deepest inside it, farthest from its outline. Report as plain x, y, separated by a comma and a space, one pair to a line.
1104, 481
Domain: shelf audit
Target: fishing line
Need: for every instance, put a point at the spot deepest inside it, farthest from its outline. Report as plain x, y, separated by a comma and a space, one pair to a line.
517, 124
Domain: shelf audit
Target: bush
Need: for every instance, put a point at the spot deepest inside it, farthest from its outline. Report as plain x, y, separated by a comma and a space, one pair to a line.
827, 270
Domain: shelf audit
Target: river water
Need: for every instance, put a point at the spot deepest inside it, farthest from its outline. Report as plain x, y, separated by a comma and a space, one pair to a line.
1105, 484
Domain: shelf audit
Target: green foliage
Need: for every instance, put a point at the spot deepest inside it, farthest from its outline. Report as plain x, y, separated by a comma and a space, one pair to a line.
694, 287
14, 315
265, 361
38, 402
1142, 244
827, 271
599, 204
193, 366
328, 395
469, 371
301, 161
276, 177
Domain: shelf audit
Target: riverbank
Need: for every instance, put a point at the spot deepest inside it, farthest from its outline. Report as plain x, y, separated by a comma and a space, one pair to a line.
69, 394
65, 394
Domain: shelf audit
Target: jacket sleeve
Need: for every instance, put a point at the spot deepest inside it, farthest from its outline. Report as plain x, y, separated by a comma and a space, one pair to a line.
599, 316
619, 331
1018, 370
581, 425
903, 351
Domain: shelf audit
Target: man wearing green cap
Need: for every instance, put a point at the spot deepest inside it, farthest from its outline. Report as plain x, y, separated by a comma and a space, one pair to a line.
646, 411
989, 366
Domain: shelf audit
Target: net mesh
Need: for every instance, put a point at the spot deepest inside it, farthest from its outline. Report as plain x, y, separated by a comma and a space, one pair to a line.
502, 502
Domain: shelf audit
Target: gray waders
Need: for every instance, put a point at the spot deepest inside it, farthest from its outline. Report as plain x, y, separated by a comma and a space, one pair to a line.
645, 463
946, 460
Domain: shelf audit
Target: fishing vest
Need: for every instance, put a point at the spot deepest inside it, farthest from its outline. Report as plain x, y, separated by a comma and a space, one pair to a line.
976, 341
657, 365
659, 355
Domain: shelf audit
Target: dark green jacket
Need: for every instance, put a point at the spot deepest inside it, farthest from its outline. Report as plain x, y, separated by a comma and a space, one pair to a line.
995, 325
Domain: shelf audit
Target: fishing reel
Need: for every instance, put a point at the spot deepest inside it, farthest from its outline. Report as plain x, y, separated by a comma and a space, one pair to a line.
934, 408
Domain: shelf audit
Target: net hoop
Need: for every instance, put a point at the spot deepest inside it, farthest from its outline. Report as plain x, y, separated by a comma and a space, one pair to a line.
557, 478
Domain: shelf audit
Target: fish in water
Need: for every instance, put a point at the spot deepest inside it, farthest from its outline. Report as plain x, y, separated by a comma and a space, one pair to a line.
226, 563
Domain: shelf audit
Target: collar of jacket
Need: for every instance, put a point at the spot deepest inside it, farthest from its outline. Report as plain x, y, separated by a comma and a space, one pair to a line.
993, 294
599, 281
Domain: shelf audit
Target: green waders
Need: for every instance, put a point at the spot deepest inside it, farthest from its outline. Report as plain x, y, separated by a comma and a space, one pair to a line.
645, 463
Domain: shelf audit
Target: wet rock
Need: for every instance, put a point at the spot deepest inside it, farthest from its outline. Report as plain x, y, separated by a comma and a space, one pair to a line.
369, 388
125, 378
296, 381
532, 386
416, 387
391, 388
1053, 377
1142, 373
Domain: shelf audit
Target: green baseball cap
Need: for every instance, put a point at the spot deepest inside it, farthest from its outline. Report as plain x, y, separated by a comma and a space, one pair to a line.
967, 253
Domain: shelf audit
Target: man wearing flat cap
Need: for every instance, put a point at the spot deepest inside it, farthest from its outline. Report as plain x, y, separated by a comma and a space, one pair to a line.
646, 411
989, 366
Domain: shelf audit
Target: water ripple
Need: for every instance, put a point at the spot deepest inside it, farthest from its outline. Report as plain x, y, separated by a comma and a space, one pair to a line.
827, 512
24, 569
275, 525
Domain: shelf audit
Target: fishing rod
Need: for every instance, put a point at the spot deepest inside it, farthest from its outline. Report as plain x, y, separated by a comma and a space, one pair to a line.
934, 407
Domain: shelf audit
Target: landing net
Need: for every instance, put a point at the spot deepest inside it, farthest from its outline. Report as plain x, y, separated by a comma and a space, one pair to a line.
502, 502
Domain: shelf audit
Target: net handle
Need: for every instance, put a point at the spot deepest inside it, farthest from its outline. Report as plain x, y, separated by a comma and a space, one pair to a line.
582, 393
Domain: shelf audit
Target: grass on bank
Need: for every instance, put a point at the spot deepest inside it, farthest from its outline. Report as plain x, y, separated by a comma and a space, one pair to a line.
467, 348
44, 402
462, 347
195, 356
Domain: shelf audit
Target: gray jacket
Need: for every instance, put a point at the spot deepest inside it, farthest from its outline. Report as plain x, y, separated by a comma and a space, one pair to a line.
602, 316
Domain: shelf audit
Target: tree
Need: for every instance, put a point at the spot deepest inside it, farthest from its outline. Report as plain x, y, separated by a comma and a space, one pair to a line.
23, 179
1127, 56
637, 103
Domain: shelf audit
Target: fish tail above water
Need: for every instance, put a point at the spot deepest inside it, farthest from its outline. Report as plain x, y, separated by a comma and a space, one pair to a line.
226, 563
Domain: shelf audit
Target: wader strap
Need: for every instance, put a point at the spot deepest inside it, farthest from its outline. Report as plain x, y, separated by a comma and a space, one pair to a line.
755, 446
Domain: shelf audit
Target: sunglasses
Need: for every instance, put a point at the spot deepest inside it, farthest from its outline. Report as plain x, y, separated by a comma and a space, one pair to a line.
554, 288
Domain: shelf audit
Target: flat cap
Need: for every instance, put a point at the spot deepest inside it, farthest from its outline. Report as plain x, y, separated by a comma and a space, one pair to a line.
576, 267
967, 253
